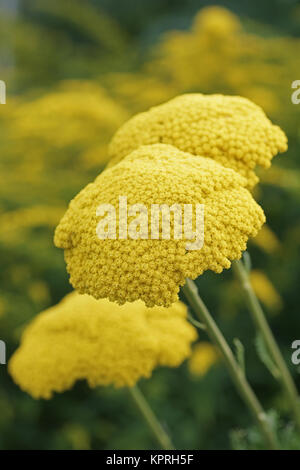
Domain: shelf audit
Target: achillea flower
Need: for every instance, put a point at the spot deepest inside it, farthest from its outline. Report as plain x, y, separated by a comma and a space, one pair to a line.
154, 269
82, 338
139, 91
76, 120
217, 21
267, 240
219, 53
203, 357
69, 115
229, 129
265, 290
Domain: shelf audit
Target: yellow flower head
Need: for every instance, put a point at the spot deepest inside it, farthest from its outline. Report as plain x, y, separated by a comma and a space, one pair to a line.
77, 116
203, 357
265, 290
99, 341
229, 129
153, 269
217, 21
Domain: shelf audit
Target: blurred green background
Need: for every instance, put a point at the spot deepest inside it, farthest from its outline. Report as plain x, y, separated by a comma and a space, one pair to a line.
75, 71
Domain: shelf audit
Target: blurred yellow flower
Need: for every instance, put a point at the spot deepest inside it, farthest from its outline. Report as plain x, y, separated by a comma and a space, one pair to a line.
138, 91
39, 292
216, 20
267, 240
71, 119
286, 178
101, 342
13, 223
204, 356
154, 269
265, 290
78, 436
229, 129
219, 54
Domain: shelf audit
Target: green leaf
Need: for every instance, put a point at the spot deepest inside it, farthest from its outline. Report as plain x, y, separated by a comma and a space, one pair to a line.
240, 353
265, 357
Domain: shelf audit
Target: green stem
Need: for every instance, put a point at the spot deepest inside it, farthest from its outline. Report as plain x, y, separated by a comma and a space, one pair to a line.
262, 326
150, 418
191, 293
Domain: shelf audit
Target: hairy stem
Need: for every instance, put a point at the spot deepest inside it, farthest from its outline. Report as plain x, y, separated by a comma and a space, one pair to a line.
150, 418
191, 293
263, 327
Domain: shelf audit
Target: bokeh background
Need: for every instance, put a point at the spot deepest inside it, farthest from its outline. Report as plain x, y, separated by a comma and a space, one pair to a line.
75, 71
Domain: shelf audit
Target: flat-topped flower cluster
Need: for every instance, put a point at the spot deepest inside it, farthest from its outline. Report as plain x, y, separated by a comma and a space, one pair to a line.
195, 149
